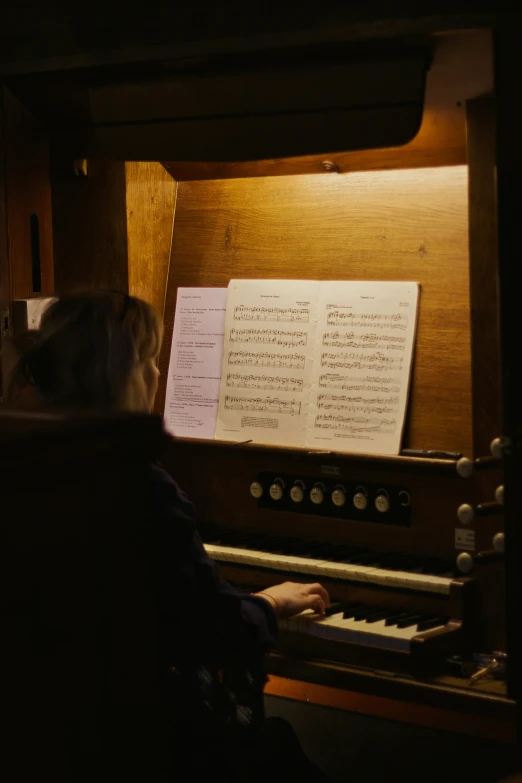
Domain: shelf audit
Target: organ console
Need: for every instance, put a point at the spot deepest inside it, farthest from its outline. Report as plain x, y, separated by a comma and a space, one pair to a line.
418, 551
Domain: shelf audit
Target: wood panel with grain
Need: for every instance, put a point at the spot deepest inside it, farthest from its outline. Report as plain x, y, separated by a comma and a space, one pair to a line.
90, 225
487, 421
151, 201
394, 225
479, 723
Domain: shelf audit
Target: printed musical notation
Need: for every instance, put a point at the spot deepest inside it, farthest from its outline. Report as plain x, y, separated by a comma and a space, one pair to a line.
343, 348
333, 421
264, 382
388, 342
370, 383
245, 358
377, 362
370, 405
375, 320
268, 337
281, 314
264, 404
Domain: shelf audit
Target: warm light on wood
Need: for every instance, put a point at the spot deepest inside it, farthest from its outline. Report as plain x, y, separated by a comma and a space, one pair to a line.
409, 224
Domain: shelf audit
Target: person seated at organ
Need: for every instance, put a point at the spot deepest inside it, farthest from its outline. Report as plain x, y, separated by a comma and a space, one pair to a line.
97, 352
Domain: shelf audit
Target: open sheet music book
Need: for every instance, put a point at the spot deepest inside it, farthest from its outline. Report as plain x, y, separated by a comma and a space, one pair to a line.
318, 365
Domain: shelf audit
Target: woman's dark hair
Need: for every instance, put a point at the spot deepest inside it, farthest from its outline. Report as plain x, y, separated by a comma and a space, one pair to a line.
87, 352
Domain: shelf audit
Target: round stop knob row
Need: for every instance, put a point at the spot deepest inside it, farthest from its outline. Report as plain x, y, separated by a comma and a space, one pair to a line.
318, 493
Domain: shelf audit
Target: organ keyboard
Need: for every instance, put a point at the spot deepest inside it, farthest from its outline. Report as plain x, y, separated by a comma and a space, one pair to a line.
375, 625
336, 561
386, 603
384, 628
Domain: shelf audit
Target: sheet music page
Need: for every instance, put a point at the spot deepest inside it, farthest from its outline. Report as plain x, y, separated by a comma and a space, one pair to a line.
191, 401
270, 330
362, 364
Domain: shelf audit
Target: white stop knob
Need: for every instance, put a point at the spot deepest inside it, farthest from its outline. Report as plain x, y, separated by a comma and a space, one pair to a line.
496, 447
360, 501
276, 491
256, 489
465, 563
465, 513
465, 467
499, 542
499, 495
382, 502
338, 497
316, 495
297, 493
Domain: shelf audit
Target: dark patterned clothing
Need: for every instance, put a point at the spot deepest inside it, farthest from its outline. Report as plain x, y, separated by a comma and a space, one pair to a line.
216, 638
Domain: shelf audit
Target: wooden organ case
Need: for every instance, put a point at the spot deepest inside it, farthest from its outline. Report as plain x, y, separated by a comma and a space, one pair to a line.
412, 195
390, 214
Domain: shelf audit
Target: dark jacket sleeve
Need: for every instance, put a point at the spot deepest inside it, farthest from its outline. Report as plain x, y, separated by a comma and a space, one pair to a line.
204, 619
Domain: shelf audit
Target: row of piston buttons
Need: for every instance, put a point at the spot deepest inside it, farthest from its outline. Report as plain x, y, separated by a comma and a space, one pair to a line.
339, 495
466, 515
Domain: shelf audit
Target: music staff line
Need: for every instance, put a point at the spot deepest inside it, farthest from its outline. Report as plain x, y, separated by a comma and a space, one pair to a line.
263, 404
331, 379
294, 361
367, 340
355, 423
363, 387
268, 337
364, 324
279, 314
369, 409
377, 362
345, 398
366, 317
264, 382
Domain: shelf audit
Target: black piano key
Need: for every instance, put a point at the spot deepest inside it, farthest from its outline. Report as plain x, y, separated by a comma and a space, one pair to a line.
322, 552
332, 553
387, 557
363, 558
349, 552
431, 622
407, 622
285, 546
303, 548
341, 550
411, 562
277, 545
238, 539
437, 567
396, 617
402, 563
376, 616
430, 565
366, 611
335, 608
349, 609
272, 544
